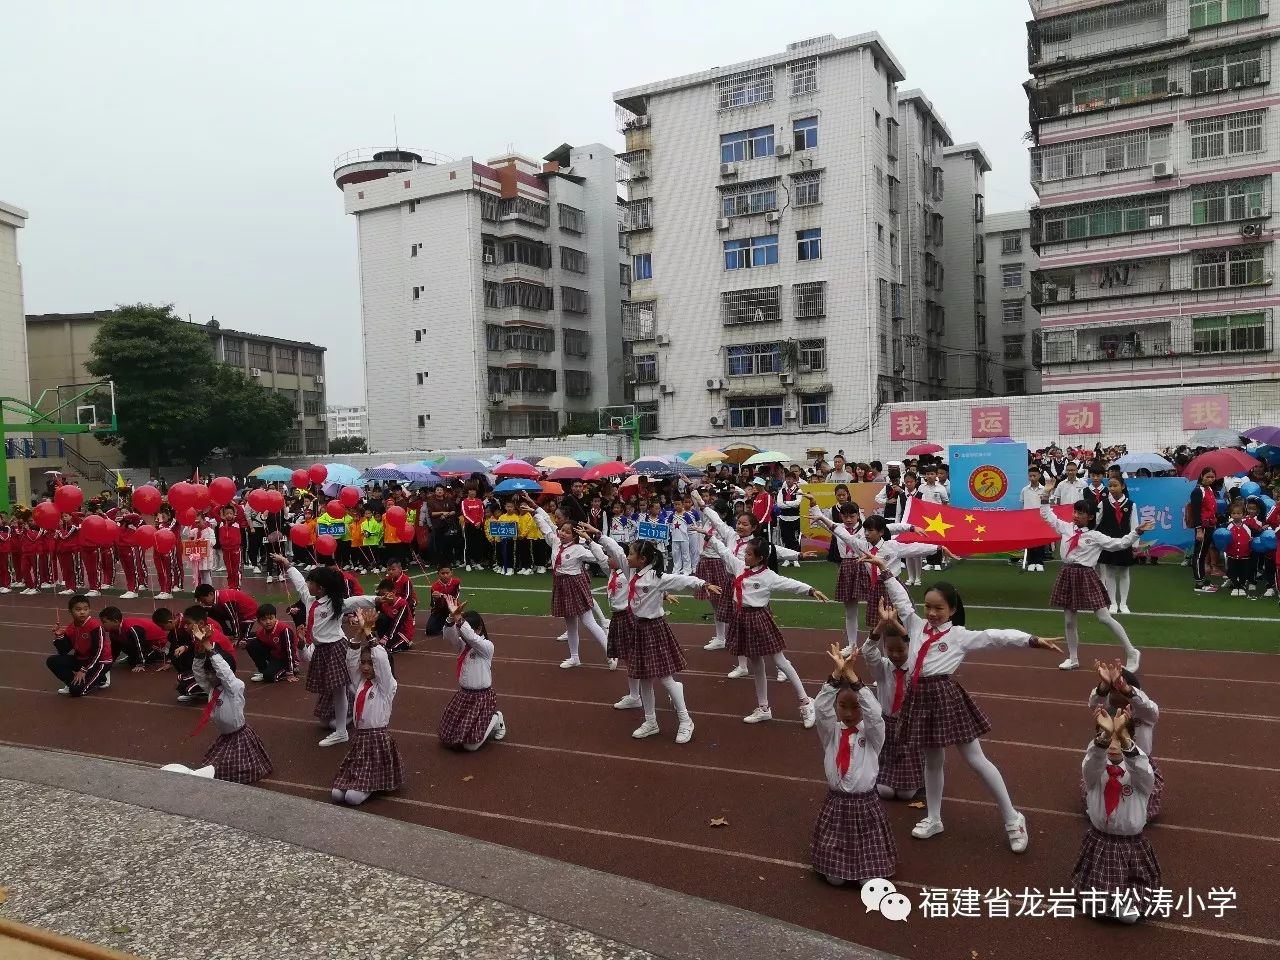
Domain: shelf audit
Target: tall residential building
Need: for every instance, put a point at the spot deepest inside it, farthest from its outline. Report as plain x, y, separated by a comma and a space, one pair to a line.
761, 240
1153, 161
1013, 323
58, 349
13, 328
347, 422
490, 293
974, 365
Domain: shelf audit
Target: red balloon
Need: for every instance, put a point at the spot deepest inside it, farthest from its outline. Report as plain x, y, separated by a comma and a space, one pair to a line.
394, 517
406, 533
318, 473
276, 503
326, 545
222, 490
202, 498
46, 515
301, 535
258, 499
146, 500
188, 517
300, 479
181, 496
68, 498
100, 531
166, 541
350, 496
145, 536
335, 509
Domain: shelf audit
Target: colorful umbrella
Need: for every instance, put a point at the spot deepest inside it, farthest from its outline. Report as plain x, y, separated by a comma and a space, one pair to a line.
567, 473
921, 449
738, 452
589, 458
766, 456
1216, 437
654, 467
1133, 462
417, 473
432, 461
516, 468
1002, 440
1267, 435
1224, 462
704, 458
341, 474
555, 463
1267, 452
550, 488
606, 470
683, 469
462, 466
381, 474
516, 484
271, 473
684, 455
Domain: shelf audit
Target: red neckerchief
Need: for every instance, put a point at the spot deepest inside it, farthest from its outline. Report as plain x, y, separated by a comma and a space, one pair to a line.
844, 751
932, 636
365, 689
559, 556
899, 689
1073, 543
1117, 507
740, 579
208, 711
631, 587
1113, 792
875, 571
311, 619
613, 581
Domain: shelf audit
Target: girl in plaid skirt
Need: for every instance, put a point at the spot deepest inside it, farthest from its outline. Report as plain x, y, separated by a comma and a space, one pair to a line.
372, 763
753, 633
938, 712
901, 765
610, 554
472, 715
1115, 857
1119, 689
237, 755
851, 840
1078, 587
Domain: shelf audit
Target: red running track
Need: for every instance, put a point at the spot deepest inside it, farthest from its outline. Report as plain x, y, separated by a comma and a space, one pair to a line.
570, 783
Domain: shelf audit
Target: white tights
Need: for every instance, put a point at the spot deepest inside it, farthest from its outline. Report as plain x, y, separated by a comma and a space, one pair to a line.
674, 690
352, 798
339, 721
597, 614
888, 793
851, 621
915, 567
473, 747
584, 622
979, 764
1071, 630
1116, 582
722, 631
762, 680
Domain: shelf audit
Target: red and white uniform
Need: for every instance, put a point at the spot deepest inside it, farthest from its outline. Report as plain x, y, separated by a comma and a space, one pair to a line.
231, 540
235, 611
66, 545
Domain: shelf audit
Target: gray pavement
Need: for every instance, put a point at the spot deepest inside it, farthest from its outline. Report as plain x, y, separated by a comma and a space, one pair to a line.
165, 866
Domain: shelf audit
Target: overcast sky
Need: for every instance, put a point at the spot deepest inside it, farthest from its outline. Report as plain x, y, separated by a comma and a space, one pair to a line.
181, 152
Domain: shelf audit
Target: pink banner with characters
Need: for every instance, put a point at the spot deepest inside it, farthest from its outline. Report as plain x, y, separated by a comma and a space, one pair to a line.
1079, 418
987, 422
1206, 410
909, 425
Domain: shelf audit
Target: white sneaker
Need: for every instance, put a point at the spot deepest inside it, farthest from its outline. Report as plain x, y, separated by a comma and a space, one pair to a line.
256, 569
93, 593
781, 676
926, 828
1129, 913
105, 682
335, 738
738, 671
1069, 664
570, 663
807, 715
540, 570
47, 586
563, 638
684, 733
129, 595
1113, 609
1131, 662
65, 593
30, 592
715, 644
627, 703
500, 731
1017, 834
646, 729
758, 715
613, 663
184, 698
509, 573
1124, 608
159, 596
65, 691
257, 678
847, 652
4, 590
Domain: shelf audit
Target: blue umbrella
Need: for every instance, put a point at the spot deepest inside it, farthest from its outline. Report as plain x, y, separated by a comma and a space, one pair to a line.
1002, 440
517, 484
416, 472
272, 474
342, 474
1268, 453
685, 470
463, 465
381, 474
1133, 462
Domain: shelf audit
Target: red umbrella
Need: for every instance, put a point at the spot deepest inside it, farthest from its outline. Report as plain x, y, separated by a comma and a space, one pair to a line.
1225, 462
920, 449
516, 468
566, 473
606, 470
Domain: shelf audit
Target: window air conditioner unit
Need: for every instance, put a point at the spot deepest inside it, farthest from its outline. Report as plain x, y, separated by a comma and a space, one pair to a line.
1256, 213
488, 258
788, 414
663, 340
722, 223
666, 389
717, 421
255, 372
773, 216
319, 381
487, 435
786, 379
1162, 168
1251, 230
728, 169
641, 121
715, 384
782, 150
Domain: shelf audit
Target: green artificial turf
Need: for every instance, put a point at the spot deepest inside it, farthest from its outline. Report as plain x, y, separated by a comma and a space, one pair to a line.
1166, 612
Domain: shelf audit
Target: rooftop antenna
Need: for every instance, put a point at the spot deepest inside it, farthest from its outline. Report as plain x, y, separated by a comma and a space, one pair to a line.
395, 128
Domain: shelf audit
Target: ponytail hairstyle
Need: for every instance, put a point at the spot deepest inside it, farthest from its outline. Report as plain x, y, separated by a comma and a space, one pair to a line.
648, 551
331, 581
475, 622
764, 549
950, 594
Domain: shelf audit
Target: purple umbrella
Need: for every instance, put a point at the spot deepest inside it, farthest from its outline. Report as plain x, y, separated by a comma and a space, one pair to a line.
1267, 435
1002, 440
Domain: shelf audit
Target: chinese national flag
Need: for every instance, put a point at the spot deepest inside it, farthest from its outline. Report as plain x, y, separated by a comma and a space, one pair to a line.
970, 532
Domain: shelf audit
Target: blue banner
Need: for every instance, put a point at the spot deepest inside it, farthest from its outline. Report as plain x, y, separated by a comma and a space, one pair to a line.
503, 531
658, 532
988, 476
338, 530
1161, 499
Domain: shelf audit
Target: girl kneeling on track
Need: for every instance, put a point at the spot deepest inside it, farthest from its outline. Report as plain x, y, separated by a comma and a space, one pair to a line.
237, 755
472, 715
372, 764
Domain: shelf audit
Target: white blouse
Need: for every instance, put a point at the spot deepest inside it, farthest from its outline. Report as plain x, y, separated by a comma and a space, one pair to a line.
374, 697
731, 539
864, 744
1088, 547
886, 675
568, 559
326, 627
609, 553
228, 712
1137, 781
760, 584
475, 653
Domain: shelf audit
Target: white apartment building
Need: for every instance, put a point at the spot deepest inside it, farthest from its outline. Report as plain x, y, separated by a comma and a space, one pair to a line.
13, 317
762, 244
1156, 144
973, 367
1013, 323
345, 422
490, 293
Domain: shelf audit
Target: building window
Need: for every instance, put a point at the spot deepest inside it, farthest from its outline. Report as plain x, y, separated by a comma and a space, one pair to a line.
1015, 382
746, 144
292, 445
572, 219
1011, 244
753, 252
1132, 86
1010, 275
573, 260
488, 250
807, 188
286, 360
811, 355
577, 343
813, 409
522, 208
503, 380
642, 266
529, 252
417, 292
754, 358
1210, 13
803, 75
624, 278
646, 368
311, 365
259, 356
1224, 202
1233, 333
1220, 71
422, 420
312, 403
639, 318
292, 397
577, 383
573, 300
517, 293
637, 215
756, 413
1011, 311
806, 133
1235, 267
1096, 155
744, 199
809, 244
753, 305
1013, 348
744, 89
809, 300
489, 207
233, 352
1226, 136
1105, 218
414, 248
420, 379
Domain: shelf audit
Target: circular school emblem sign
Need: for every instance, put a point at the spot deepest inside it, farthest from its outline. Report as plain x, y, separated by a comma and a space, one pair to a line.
862, 741
988, 484
1127, 791
942, 648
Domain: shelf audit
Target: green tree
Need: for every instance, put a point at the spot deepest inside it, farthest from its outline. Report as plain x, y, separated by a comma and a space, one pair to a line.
239, 417
349, 445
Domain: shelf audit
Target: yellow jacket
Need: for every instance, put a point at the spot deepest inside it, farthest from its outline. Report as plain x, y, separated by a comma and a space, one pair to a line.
528, 529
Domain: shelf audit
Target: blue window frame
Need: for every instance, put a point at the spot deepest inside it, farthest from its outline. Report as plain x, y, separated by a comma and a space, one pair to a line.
806, 133
754, 358
809, 244
762, 412
753, 252
746, 144
642, 266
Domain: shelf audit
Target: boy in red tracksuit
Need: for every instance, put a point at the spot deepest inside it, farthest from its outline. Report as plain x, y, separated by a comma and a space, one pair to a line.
132, 561
8, 549
445, 585
274, 648
1239, 551
29, 546
140, 639
82, 660
234, 610
66, 546
395, 618
231, 539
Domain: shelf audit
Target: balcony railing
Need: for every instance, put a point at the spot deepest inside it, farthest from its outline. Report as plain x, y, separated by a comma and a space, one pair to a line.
1095, 32
637, 215
632, 166
524, 210
639, 320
